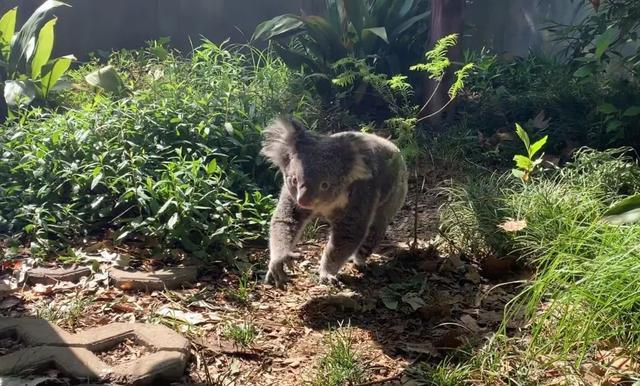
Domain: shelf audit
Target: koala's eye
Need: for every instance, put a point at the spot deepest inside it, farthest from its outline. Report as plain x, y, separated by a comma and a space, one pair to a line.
324, 186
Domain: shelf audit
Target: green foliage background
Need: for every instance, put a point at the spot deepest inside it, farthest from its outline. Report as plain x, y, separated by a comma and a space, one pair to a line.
176, 160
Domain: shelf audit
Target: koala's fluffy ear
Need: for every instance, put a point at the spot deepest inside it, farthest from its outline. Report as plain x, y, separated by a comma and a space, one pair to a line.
280, 139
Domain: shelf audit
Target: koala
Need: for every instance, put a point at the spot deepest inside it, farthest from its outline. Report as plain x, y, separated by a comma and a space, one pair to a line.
355, 181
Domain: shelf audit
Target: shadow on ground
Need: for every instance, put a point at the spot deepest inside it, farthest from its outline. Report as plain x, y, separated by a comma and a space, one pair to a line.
416, 305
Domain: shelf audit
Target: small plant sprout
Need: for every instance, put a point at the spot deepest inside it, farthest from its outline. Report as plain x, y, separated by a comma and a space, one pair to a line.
243, 334
242, 293
526, 164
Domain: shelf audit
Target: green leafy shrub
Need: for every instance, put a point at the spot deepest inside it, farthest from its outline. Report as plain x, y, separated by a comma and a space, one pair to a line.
26, 67
587, 268
176, 161
501, 92
387, 35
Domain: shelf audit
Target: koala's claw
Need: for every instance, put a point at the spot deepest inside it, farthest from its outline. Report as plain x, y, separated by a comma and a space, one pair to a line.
277, 274
330, 279
359, 263
276, 270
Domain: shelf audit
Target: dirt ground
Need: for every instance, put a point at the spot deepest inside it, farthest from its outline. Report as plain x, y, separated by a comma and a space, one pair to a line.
406, 307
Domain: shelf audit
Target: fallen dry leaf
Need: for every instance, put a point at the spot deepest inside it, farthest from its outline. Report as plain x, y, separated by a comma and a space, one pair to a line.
123, 307
42, 289
473, 275
437, 312
469, 322
420, 348
450, 340
495, 268
189, 317
511, 225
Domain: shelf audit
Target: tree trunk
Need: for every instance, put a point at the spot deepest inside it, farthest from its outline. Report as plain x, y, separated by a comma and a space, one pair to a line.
446, 18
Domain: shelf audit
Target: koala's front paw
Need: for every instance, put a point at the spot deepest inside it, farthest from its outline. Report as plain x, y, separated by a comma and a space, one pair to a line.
360, 263
329, 278
276, 270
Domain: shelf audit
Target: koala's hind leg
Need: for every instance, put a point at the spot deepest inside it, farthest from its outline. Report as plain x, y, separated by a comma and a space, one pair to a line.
378, 229
376, 233
347, 233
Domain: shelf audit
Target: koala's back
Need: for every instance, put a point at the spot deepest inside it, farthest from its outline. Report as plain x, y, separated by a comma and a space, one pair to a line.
383, 160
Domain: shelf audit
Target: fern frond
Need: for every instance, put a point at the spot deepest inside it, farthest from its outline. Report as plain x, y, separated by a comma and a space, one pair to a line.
344, 79
399, 82
461, 75
437, 61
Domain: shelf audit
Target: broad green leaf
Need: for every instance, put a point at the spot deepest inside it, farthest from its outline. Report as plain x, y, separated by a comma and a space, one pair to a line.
632, 111
518, 173
397, 10
107, 79
356, 13
228, 127
8, 26
607, 108
279, 27
295, 59
380, 32
613, 125
524, 137
326, 36
96, 180
19, 92
212, 167
625, 212
583, 72
24, 40
413, 300
603, 42
97, 201
407, 24
44, 47
173, 221
537, 146
165, 206
523, 162
389, 299
53, 71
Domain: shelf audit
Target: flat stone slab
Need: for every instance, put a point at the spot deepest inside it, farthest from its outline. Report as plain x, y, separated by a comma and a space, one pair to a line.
168, 278
53, 275
74, 354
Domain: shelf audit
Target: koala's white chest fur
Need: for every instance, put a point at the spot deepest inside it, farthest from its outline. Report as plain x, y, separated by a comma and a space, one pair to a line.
326, 210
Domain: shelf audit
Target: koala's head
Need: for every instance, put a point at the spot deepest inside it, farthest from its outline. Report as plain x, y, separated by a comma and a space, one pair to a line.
317, 169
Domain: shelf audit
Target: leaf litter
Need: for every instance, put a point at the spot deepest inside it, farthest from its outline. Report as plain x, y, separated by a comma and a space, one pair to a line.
402, 310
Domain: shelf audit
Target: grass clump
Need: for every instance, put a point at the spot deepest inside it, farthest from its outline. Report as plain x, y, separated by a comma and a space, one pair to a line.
243, 334
65, 314
242, 292
175, 160
340, 364
588, 276
445, 373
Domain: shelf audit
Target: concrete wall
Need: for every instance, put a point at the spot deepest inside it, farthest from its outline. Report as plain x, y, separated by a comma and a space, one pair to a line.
511, 26
91, 25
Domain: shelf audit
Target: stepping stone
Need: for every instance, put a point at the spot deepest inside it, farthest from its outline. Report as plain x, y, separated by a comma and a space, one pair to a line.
53, 275
168, 278
74, 354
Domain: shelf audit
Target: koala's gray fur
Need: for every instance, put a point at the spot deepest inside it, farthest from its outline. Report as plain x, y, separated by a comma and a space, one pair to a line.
356, 181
